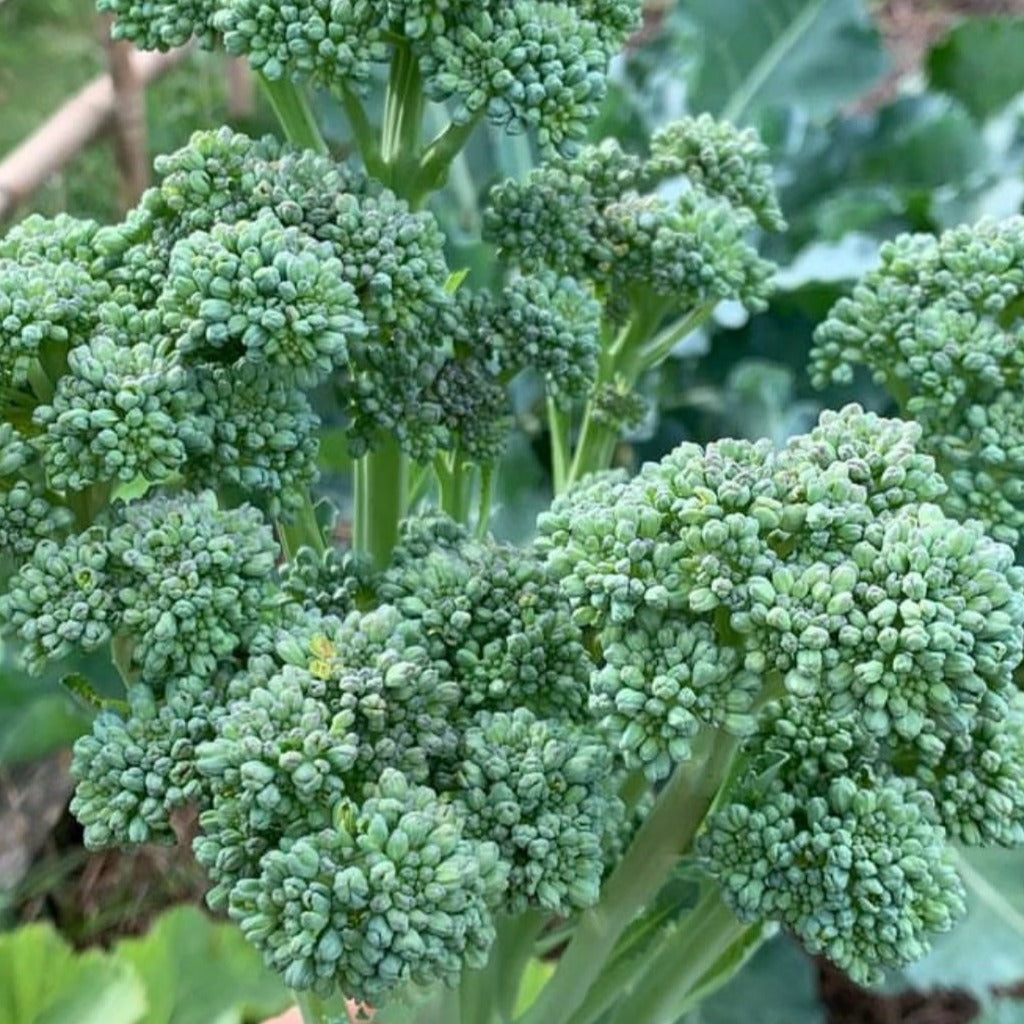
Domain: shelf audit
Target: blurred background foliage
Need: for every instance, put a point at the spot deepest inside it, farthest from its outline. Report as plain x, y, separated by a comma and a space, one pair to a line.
882, 117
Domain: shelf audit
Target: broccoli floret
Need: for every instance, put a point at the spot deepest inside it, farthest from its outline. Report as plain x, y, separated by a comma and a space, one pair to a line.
937, 325
138, 764
593, 217
180, 580
122, 411
262, 293
391, 893
545, 792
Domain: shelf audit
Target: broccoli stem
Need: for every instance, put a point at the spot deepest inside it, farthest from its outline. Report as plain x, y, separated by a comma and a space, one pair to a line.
403, 127
686, 963
303, 531
321, 1011
294, 113
381, 494
666, 834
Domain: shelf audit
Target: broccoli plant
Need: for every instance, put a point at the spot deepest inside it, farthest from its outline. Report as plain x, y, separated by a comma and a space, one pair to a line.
748, 687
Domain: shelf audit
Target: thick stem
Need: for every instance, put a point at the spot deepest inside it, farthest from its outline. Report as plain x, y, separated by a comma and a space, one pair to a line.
381, 491
362, 132
705, 935
666, 834
294, 114
302, 531
560, 427
402, 127
433, 168
322, 1011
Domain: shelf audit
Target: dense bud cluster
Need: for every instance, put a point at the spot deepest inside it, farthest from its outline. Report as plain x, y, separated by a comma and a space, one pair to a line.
937, 325
812, 601
671, 228
537, 65
181, 581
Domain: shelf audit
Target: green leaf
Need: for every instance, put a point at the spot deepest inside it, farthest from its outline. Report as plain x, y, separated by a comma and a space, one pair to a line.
35, 721
777, 986
979, 63
987, 948
199, 972
753, 57
43, 981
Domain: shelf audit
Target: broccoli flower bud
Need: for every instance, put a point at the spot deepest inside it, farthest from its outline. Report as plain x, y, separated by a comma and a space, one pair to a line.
44, 308
781, 576
191, 580
254, 432
392, 893
493, 615
324, 41
858, 870
118, 414
546, 794
936, 325
138, 765
594, 218
62, 599
27, 515
721, 159
162, 24
259, 292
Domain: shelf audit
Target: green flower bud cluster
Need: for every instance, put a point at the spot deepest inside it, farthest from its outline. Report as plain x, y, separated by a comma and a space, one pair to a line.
255, 433
545, 792
527, 66
325, 41
138, 765
119, 413
721, 159
493, 615
335, 582
860, 871
391, 893
937, 325
162, 24
814, 580
813, 602
45, 309
672, 226
183, 582
27, 515
262, 293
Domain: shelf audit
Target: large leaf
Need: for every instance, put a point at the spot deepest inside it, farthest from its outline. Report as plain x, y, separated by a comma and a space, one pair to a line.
198, 972
43, 981
987, 948
979, 63
35, 719
777, 986
753, 57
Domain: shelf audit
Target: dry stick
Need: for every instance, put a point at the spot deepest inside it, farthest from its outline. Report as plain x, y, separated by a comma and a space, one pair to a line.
241, 89
81, 120
128, 124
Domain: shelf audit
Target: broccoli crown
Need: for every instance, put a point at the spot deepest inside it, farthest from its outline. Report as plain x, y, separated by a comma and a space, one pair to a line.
392, 892
814, 602
263, 293
120, 412
138, 764
492, 614
937, 325
673, 226
535, 65
544, 791
27, 515
182, 581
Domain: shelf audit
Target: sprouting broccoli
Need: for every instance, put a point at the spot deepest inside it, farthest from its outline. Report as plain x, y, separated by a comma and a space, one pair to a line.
783, 676
937, 325
661, 240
